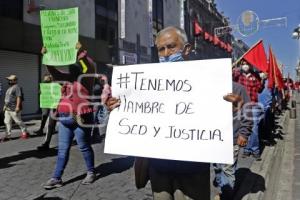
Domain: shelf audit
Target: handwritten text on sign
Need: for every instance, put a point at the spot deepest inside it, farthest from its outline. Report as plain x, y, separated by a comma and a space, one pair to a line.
60, 35
173, 111
50, 95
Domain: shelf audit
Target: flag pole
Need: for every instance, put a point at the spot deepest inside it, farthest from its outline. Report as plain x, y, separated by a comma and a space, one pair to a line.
238, 60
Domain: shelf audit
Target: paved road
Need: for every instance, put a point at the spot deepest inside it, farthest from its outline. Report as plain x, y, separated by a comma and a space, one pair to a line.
23, 169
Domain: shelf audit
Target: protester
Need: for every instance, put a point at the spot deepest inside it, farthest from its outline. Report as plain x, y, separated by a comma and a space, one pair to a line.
45, 111
265, 98
242, 127
171, 179
13, 107
101, 91
253, 85
74, 113
288, 87
46, 114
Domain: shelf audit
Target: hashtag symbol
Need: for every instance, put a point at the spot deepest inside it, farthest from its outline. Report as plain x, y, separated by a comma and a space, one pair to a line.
123, 80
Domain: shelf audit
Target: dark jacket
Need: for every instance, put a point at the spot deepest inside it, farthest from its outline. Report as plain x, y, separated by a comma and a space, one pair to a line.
242, 119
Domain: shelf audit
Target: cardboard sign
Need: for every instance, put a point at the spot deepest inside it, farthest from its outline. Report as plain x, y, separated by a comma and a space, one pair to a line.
173, 111
50, 95
60, 35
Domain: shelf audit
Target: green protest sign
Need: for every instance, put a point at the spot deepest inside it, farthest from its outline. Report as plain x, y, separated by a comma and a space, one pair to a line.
60, 35
50, 95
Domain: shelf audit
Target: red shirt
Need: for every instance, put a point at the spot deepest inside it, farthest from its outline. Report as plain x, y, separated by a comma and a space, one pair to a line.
252, 84
74, 99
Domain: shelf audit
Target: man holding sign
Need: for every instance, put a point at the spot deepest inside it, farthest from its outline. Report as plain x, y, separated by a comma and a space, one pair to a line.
171, 179
49, 98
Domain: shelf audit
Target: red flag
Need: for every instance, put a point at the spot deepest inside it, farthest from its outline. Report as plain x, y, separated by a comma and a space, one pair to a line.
222, 44
256, 56
197, 28
270, 71
274, 74
211, 38
279, 78
206, 35
216, 40
229, 48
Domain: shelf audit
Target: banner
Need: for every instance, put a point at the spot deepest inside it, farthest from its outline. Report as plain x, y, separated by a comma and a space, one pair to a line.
50, 95
173, 111
60, 35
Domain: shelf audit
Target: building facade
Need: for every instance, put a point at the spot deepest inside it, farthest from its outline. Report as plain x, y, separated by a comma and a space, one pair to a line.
239, 49
139, 21
115, 32
21, 42
202, 17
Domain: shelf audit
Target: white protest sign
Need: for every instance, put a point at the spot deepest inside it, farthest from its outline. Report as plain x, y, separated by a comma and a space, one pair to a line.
173, 111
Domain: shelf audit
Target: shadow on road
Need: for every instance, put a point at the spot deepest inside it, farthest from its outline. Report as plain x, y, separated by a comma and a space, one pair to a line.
42, 197
97, 138
248, 182
7, 162
117, 165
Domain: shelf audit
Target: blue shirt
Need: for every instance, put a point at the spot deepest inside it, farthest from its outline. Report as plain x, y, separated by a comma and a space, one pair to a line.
265, 97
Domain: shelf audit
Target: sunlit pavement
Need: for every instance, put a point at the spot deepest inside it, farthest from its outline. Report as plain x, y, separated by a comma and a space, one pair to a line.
23, 170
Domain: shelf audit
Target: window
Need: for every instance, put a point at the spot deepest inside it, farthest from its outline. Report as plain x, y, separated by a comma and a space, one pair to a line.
108, 4
111, 36
158, 15
11, 9
102, 3
112, 5
101, 27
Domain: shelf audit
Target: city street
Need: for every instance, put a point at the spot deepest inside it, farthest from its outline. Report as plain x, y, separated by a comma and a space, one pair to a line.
23, 169
178, 80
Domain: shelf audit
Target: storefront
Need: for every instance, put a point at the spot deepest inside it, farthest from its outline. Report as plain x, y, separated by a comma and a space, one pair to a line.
26, 67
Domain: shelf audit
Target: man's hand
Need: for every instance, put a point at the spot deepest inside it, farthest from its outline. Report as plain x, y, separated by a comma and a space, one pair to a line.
236, 100
233, 98
78, 45
241, 141
112, 103
17, 109
43, 50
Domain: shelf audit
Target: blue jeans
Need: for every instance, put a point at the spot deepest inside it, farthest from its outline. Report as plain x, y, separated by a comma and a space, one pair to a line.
253, 140
225, 176
68, 128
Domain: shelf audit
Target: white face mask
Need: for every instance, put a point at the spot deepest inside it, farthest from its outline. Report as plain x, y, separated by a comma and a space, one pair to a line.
245, 68
262, 76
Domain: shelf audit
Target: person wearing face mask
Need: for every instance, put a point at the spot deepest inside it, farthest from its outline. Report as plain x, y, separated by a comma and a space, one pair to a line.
181, 180
254, 86
13, 107
177, 180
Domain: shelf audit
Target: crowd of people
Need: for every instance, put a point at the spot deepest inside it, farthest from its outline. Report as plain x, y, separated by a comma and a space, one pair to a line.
255, 105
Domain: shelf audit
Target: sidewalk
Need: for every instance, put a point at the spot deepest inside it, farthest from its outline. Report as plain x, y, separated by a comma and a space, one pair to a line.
261, 180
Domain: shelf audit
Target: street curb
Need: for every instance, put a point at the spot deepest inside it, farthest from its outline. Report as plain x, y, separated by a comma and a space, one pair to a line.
267, 168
